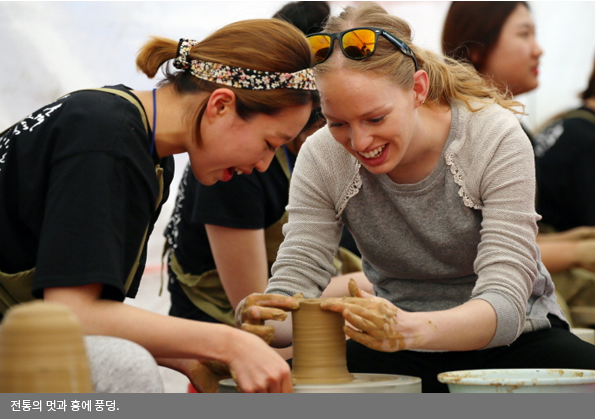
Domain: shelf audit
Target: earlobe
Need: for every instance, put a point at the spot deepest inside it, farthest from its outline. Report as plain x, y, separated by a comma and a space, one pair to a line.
421, 86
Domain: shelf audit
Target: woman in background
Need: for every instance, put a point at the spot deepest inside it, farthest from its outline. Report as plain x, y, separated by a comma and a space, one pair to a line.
502, 47
565, 153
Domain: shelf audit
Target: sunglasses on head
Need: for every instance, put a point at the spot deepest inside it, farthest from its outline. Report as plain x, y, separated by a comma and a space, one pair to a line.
356, 44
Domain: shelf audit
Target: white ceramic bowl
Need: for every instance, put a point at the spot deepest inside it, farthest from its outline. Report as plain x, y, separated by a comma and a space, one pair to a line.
520, 381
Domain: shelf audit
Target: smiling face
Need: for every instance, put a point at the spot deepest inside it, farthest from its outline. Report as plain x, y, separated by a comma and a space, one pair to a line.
514, 61
373, 118
231, 144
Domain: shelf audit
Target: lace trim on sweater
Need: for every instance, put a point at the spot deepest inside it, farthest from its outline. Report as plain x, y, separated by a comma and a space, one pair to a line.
458, 178
354, 188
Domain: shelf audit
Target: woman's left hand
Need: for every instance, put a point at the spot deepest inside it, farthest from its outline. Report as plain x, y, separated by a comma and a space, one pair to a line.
375, 319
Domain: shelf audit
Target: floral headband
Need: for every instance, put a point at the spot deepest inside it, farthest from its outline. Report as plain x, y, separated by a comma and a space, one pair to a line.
241, 78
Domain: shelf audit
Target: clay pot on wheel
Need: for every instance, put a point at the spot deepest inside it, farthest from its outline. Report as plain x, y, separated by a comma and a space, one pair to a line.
318, 345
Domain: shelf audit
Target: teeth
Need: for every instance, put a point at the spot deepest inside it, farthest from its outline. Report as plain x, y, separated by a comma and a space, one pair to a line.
373, 153
239, 172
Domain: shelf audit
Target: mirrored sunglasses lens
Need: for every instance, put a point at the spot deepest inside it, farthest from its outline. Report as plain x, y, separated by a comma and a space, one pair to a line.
359, 43
321, 45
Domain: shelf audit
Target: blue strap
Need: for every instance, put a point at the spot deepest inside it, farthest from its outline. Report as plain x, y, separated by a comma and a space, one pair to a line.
154, 123
289, 165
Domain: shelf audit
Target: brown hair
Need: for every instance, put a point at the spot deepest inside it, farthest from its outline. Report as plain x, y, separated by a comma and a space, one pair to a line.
472, 28
448, 78
257, 44
590, 90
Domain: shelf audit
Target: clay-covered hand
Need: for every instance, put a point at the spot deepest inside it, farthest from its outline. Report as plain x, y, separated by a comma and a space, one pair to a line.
585, 254
253, 310
374, 319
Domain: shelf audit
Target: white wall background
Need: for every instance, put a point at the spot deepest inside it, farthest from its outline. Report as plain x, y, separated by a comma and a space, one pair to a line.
51, 48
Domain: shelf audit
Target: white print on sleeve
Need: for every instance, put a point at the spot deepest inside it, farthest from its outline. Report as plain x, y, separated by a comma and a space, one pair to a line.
4, 143
28, 123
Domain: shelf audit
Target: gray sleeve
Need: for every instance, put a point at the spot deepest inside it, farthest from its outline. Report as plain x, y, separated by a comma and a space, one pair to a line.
305, 259
506, 262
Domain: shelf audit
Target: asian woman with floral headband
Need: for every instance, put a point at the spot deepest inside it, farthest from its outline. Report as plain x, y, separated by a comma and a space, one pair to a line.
83, 180
431, 172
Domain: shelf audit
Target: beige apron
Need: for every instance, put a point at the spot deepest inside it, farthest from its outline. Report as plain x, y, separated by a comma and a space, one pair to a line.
16, 288
206, 291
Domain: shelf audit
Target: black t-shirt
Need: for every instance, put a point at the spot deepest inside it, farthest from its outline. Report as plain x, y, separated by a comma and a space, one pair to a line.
77, 191
565, 162
254, 201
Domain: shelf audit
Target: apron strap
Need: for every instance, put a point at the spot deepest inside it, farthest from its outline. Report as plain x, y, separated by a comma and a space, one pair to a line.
125, 95
580, 113
131, 275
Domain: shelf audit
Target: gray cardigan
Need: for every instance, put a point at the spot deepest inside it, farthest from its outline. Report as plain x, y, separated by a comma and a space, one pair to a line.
465, 232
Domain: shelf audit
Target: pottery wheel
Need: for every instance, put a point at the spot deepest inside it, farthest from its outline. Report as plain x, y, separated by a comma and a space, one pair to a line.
319, 358
362, 383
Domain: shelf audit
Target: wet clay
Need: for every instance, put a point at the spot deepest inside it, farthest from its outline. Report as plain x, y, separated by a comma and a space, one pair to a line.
42, 351
319, 350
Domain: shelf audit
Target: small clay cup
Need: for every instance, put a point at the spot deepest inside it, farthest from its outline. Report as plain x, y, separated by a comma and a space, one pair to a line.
42, 350
319, 349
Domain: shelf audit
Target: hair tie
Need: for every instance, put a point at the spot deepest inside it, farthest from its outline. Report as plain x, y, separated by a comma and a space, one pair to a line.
184, 47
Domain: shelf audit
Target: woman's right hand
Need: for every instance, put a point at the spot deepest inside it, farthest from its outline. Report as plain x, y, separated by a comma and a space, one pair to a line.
253, 310
257, 368
373, 321
254, 365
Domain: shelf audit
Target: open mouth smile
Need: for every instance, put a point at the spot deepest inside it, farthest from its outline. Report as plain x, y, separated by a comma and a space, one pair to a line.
374, 153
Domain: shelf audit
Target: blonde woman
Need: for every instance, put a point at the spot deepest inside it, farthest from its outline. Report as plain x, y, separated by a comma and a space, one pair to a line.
431, 172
